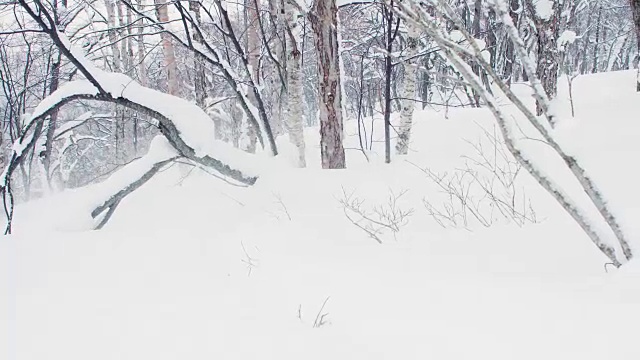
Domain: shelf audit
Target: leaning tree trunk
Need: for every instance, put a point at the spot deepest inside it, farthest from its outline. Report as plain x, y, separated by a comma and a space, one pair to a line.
295, 91
548, 54
324, 21
635, 8
408, 91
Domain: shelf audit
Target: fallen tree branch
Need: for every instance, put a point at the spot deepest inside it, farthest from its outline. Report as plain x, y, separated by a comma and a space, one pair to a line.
114, 200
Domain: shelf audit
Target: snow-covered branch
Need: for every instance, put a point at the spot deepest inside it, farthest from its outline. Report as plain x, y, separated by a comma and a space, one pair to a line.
131, 177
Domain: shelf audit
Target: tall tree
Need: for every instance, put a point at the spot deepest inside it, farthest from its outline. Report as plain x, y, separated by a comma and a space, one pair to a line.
253, 61
389, 37
635, 9
546, 17
168, 51
515, 8
295, 92
199, 79
54, 83
324, 21
409, 90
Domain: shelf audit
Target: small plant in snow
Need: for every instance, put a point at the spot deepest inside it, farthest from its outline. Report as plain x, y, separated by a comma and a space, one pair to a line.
321, 318
248, 260
282, 205
376, 220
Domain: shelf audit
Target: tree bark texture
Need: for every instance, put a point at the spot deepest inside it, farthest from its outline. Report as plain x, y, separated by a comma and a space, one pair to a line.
324, 22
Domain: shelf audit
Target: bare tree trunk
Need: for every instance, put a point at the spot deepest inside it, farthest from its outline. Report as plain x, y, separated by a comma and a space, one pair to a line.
582, 55
53, 118
199, 78
129, 41
388, 15
510, 54
279, 53
118, 54
167, 49
324, 21
294, 87
122, 38
253, 55
635, 8
548, 53
112, 34
408, 91
594, 68
142, 70
477, 33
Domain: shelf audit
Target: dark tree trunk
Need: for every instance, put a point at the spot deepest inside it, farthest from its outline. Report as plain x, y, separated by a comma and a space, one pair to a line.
594, 68
53, 118
387, 84
324, 21
477, 33
548, 53
199, 78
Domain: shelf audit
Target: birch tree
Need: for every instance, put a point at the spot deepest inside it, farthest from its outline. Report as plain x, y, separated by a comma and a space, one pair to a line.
409, 90
609, 241
253, 59
294, 113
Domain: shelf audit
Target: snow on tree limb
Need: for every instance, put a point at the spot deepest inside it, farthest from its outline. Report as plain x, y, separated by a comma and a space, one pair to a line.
188, 129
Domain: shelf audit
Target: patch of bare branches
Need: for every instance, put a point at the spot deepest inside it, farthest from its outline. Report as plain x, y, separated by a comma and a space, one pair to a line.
376, 220
484, 190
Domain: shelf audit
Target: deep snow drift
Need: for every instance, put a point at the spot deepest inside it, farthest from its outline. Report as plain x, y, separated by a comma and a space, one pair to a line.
192, 268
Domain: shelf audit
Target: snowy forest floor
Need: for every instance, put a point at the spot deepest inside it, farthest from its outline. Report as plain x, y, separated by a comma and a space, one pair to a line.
192, 268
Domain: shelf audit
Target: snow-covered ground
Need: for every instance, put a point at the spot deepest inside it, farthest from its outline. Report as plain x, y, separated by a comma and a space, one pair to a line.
192, 268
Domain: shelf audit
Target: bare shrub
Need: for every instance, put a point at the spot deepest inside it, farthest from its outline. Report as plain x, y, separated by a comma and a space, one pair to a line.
376, 220
485, 189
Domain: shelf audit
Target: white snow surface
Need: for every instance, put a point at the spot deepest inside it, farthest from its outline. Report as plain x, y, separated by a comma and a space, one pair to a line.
195, 268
